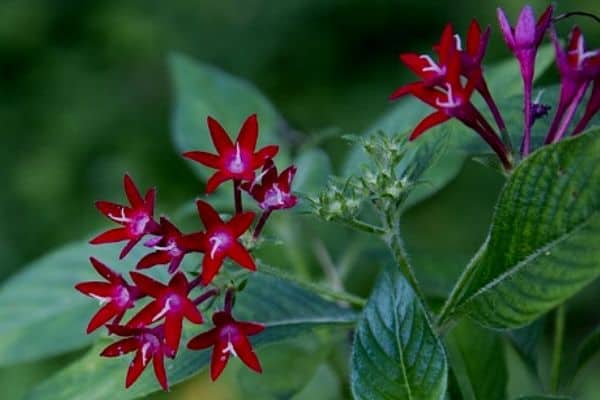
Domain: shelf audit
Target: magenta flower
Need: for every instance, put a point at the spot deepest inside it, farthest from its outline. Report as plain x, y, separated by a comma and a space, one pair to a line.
170, 248
115, 295
221, 240
579, 68
171, 303
228, 337
233, 161
137, 220
272, 191
149, 345
523, 40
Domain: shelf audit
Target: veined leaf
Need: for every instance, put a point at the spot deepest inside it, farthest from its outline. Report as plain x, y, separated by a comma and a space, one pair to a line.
542, 246
287, 310
396, 354
202, 90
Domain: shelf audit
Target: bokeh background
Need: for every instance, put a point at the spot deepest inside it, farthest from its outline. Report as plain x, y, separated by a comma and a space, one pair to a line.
85, 95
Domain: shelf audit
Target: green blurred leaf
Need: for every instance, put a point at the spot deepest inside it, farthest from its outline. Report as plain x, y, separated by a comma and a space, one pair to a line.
544, 397
471, 352
541, 248
202, 90
324, 385
396, 354
42, 298
287, 310
588, 349
314, 169
526, 342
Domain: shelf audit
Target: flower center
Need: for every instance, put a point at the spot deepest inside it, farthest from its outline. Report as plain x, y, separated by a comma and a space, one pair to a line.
171, 248
236, 164
452, 101
218, 241
121, 296
274, 197
432, 67
150, 346
172, 303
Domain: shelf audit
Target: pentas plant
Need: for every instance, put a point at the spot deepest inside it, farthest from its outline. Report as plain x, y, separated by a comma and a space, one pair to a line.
448, 83
154, 331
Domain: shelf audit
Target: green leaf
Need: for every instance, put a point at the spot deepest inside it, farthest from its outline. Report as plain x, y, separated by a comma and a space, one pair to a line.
324, 385
42, 298
544, 397
202, 90
471, 352
396, 354
314, 169
287, 310
526, 342
541, 248
588, 349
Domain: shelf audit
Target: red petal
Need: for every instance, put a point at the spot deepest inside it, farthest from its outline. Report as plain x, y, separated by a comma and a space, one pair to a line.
105, 314
152, 259
149, 201
105, 271
173, 325
121, 330
240, 255
447, 44
416, 64
543, 23
218, 360
208, 215
249, 134
210, 267
101, 289
192, 242
261, 156
473, 38
159, 370
121, 347
111, 236
269, 172
210, 160
250, 328
202, 341
145, 316
136, 367
286, 178
219, 137
406, 89
243, 348
111, 209
147, 284
130, 245
133, 195
240, 223
179, 283
430, 121
216, 180
191, 312
174, 264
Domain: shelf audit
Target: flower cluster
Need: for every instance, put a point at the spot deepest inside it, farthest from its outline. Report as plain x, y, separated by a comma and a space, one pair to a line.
448, 82
155, 330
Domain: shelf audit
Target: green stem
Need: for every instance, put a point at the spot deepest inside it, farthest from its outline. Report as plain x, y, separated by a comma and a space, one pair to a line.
559, 331
363, 226
321, 290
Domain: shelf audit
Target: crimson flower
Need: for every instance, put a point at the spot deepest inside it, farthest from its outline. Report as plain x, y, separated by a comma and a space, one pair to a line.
137, 220
115, 295
221, 240
579, 68
228, 337
171, 302
149, 344
234, 161
170, 247
272, 191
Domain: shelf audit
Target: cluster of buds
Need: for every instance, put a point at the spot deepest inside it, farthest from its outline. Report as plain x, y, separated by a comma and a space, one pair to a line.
448, 83
155, 331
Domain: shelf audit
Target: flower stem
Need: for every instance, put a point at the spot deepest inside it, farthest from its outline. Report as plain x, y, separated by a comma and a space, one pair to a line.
205, 296
229, 298
559, 330
261, 224
363, 226
527, 88
564, 123
237, 194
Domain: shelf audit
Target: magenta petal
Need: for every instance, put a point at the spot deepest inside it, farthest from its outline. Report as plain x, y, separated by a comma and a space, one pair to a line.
100, 289
506, 29
218, 360
525, 29
173, 326
130, 245
261, 156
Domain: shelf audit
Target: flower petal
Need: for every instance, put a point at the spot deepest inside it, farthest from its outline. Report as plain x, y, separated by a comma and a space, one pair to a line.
136, 367
179, 283
429, 122
240, 255
100, 289
173, 326
149, 202
158, 363
145, 316
218, 360
132, 193
105, 314
130, 245
152, 259
147, 285
210, 267
210, 218
191, 312
174, 264
250, 328
525, 29
243, 348
240, 223
473, 38
286, 178
261, 156
215, 181
249, 134
507, 31
203, 340
111, 236
111, 209
204, 158
105, 271
220, 138
121, 347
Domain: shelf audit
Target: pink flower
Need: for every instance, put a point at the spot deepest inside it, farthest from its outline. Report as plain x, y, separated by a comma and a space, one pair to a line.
137, 220
221, 240
272, 191
228, 337
237, 160
170, 247
149, 345
171, 303
115, 295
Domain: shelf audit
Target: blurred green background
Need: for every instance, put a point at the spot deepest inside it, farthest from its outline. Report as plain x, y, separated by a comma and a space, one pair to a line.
85, 95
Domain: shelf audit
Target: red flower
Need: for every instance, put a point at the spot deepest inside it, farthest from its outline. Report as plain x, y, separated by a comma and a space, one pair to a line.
228, 337
234, 161
171, 302
272, 192
149, 344
137, 220
170, 247
115, 295
220, 240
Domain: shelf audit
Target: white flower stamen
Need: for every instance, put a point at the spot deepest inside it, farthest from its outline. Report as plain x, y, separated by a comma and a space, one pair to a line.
229, 349
216, 242
580, 52
433, 67
101, 300
458, 42
166, 308
122, 218
451, 102
237, 164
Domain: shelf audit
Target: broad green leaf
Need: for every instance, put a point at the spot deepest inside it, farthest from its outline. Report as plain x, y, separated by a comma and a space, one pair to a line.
42, 298
472, 351
588, 349
324, 385
541, 248
202, 90
526, 342
314, 169
287, 310
544, 397
396, 354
